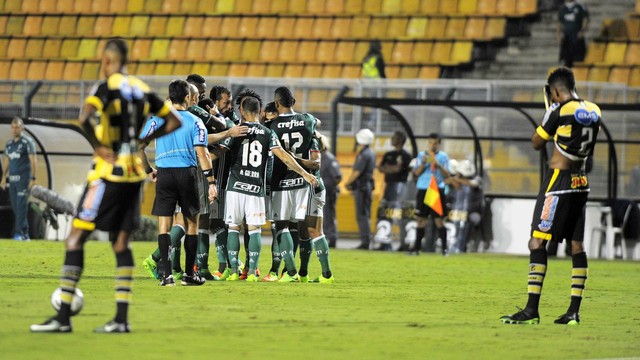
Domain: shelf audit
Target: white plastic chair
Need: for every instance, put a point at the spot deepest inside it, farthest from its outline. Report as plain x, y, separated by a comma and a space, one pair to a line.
609, 231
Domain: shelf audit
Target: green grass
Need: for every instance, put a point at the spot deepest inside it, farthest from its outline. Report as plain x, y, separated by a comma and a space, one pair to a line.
383, 306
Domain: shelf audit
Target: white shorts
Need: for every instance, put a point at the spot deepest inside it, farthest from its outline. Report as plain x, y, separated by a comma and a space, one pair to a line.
316, 203
289, 205
241, 206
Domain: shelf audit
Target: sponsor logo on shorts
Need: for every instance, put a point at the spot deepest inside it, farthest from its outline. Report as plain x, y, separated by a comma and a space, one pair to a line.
579, 181
289, 183
246, 187
548, 213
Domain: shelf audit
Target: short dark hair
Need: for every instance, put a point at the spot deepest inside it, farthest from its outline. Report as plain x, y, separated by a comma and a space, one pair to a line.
248, 92
216, 92
205, 102
271, 107
251, 105
401, 135
562, 77
284, 97
178, 90
120, 47
434, 136
196, 79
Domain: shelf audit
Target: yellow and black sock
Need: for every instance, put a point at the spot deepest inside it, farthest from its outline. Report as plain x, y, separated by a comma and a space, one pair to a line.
124, 278
71, 272
537, 271
579, 274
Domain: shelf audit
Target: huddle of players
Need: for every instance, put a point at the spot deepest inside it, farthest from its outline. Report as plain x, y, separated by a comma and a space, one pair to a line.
260, 170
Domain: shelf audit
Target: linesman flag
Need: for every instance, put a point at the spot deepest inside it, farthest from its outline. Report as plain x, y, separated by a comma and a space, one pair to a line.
432, 197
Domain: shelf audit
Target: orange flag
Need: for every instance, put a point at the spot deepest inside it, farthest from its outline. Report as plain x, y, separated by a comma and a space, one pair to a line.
432, 197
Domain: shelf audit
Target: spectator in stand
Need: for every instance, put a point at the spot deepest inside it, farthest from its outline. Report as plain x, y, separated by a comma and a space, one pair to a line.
573, 21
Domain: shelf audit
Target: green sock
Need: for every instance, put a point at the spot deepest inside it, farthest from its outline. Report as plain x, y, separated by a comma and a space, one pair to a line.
233, 248
176, 234
322, 250
156, 255
286, 251
202, 254
305, 255
255, 245
275, 251
221, 249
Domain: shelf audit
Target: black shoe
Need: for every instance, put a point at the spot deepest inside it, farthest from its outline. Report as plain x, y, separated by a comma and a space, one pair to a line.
192, 280
113, 327
362, 247
52, 325
568, 319
524, 316
168, 281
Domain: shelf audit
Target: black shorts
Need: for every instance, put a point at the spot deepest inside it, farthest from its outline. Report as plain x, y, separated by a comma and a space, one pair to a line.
176, 186
109, 206
423, 211
560, 207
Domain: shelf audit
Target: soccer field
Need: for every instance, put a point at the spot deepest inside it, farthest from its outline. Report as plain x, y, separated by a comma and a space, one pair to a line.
383, 306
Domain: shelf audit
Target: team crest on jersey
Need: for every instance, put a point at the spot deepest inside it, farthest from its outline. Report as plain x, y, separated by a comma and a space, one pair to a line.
585, 117
548, 213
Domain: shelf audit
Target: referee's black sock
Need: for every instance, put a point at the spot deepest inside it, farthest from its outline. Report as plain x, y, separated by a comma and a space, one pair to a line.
417, 246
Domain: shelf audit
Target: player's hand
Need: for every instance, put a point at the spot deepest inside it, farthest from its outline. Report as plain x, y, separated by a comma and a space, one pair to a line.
310, 179
238, 130
153, 175
105, 153
213, 192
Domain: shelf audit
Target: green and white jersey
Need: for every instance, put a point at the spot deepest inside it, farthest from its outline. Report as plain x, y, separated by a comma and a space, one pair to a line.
247, 175
295, 132
222, 164
315, 147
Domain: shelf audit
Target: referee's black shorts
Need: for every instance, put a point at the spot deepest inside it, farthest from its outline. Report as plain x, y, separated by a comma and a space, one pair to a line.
176, 186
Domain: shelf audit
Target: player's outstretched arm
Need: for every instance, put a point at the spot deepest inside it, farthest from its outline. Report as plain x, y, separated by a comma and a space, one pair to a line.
293, 165
235, 131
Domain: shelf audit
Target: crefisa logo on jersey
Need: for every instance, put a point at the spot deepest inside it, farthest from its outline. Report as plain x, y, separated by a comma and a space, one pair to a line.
290, 124
585, 117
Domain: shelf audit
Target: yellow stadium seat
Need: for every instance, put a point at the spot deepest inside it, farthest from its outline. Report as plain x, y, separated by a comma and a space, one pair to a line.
3, 22
475, 28
496, 28
171, 6
85, 25
182, 69
429, 72
411, 7
332, 71
36, 70
243, 7
140, 49
467, 7
14, 25
200, 68
103, 26
5, 69
397, 27
527, 7
615, 53
637, 6
307, 51
4, 45
274, 70
334, 6
409, 72
448, 7
175, 26
19, 69
177, 49
285, 28
139, 25
226, 7
269, 50
256, 70
16, 48
266, 25
247, 27
461, 52
362, 47
157, 27
595, 52
259, 7
359, 27
340, 28
136, 6
118, 6
455, 28
32, 25
441, 52
392, 71
391, 6
288, 50
81, 7
599, 73
436, 28
417, 27
66, 26
344, 51
51, 48
325, 51
211, 26
164, 69
633, 27
232, 50
72, 70
30, 6
286, 6
353, 6
581, 73
214, 50
293, 71
486, 7
620, 74
33, 49
146, 68
632, 56
69, 49
506, 7
100, 47
195, 49
315, 6
250, 50
193, 26
90, 71
321, 27
65, 7
87, 48
54, 70
312, 71
378, 28
430, 7
121, 25
229, 26
372, 6
421, 53
159, 49
12, 6
634, 78
402, 52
